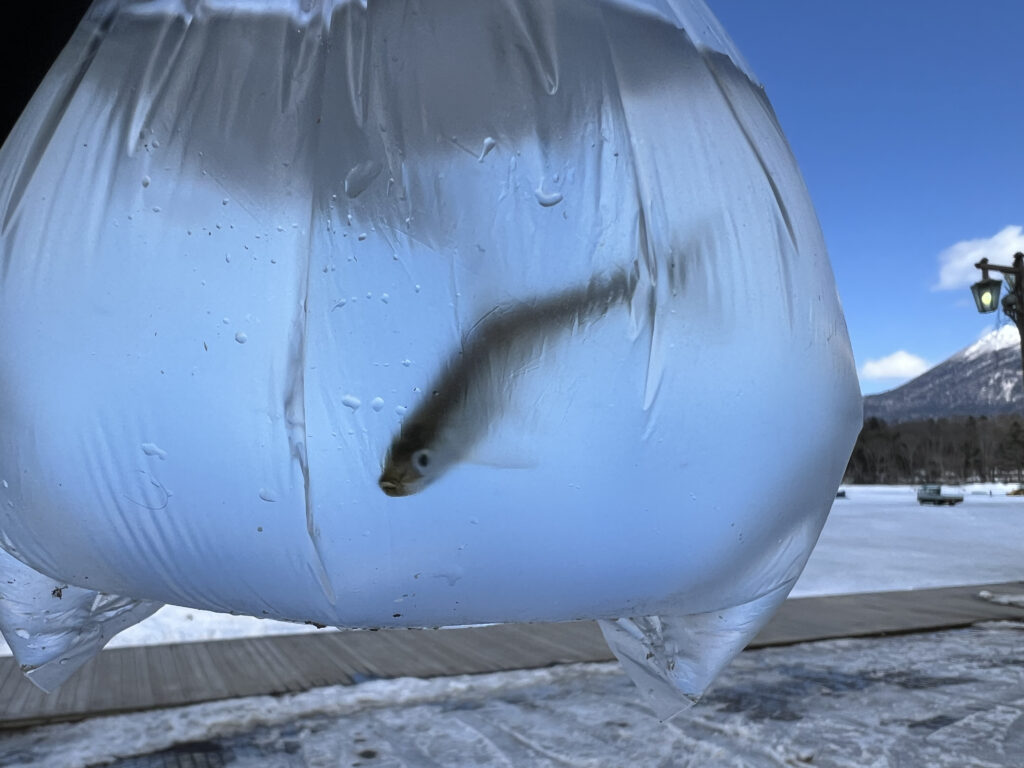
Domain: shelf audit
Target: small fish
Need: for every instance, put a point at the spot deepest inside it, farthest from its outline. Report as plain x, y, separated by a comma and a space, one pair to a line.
469, 393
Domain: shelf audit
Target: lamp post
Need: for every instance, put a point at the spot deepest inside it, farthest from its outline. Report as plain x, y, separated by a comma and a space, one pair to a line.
986, 293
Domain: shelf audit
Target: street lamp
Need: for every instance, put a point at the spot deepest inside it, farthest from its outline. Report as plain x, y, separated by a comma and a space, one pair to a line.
986, 290
986, 293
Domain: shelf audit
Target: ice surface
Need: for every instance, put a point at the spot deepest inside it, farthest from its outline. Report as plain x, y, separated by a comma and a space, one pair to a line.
944, 700
240, 242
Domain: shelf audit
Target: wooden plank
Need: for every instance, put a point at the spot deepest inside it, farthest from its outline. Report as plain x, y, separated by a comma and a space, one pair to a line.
576, 641
348, 653
555, 650
857, 615
127, 679
505, 645
11, 679
205, 674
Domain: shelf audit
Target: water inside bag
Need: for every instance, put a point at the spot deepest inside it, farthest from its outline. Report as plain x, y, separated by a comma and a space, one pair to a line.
549, 268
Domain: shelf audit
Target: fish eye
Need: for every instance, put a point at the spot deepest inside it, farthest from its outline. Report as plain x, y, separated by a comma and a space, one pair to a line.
421, 459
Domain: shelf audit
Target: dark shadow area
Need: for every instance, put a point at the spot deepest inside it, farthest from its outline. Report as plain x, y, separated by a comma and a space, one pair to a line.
31, 36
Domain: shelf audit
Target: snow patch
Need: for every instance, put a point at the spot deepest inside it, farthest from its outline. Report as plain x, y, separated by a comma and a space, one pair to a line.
1007, 389
1017, 601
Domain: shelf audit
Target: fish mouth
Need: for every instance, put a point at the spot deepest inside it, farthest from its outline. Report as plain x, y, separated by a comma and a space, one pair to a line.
394, 488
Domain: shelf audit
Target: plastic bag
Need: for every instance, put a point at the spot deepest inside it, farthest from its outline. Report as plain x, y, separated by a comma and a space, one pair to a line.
418, 314
53, 628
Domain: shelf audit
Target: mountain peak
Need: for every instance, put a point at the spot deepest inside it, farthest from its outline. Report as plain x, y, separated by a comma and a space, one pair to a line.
1001, 338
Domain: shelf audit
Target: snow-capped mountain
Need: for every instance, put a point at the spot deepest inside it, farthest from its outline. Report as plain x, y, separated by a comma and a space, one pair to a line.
982, 380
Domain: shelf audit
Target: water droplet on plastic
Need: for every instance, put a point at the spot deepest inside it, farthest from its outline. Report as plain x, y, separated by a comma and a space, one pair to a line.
156, 209
417, 288
407, 362
226, 321
384, 297
360, 177
489, 144
268, 495
547, 199
401, 410
362, 236
145, 181
155, 143
351, 401
4, 484
241, 338
224, 201
152, 449
377, 403
22, 634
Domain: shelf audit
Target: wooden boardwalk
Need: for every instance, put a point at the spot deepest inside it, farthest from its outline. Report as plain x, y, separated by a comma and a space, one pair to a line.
131, 679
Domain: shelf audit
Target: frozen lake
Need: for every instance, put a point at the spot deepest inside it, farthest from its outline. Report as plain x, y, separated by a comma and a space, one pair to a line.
879, 538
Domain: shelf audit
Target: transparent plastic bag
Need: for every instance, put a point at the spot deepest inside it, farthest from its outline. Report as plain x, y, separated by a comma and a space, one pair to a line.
407, 314
53, 628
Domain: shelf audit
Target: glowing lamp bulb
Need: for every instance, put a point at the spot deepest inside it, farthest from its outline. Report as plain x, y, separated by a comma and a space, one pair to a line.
986, 294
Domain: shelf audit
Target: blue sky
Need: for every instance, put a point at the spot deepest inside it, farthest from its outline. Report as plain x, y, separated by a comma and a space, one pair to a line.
907, 120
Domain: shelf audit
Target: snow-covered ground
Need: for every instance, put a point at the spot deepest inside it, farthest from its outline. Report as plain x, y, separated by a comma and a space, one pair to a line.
946, 699
877, 539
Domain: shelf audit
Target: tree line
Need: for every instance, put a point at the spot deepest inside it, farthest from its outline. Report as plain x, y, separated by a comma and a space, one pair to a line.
954, 450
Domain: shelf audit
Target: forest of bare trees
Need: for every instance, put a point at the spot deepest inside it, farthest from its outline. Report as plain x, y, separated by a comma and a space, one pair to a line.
955, 450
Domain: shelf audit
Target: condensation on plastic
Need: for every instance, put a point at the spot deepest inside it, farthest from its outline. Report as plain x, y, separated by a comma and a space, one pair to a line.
240, 240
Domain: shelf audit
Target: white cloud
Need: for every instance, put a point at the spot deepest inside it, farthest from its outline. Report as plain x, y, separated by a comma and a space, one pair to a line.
898, 365
956, 263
